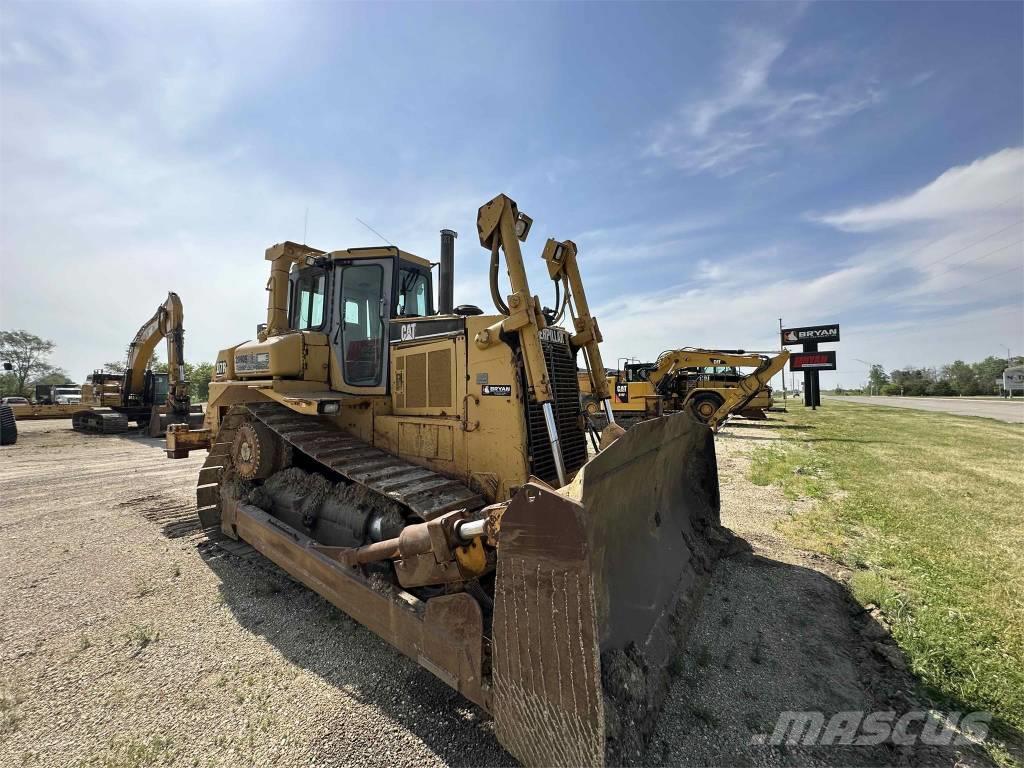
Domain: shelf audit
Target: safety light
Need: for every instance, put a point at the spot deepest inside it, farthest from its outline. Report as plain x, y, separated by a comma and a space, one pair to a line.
523, 224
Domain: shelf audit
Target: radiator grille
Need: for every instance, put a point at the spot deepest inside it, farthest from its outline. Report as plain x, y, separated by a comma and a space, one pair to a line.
416, 380
439, 378
561, 364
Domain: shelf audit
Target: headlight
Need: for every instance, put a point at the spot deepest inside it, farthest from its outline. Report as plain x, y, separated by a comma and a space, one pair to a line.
328, 406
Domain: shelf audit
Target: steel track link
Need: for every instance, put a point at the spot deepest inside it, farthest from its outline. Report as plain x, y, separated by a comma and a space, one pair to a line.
423, 492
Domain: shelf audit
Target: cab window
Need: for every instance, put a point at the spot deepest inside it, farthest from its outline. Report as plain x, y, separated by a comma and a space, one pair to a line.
307, 301
362, 328
412, 293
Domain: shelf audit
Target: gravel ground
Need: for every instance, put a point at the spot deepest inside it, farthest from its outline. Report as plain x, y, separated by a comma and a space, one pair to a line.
125, 641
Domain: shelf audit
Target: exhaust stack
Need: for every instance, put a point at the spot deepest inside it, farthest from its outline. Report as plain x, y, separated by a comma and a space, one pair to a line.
446, 280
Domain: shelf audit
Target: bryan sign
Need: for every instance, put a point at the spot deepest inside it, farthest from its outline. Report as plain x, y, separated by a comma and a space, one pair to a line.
812, 361
810, 334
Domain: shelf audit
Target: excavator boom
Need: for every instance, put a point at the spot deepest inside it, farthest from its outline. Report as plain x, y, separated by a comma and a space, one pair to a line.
135, 389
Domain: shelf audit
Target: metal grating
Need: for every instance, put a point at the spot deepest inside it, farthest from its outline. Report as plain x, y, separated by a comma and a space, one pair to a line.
439, 378
561, 364
416, 380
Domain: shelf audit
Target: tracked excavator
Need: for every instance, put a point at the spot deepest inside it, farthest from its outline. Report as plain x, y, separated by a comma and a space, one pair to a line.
706, 383
427, 472
111, 400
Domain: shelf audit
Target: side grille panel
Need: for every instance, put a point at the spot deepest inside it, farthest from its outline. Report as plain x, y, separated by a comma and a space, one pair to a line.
416, 381
561, 365
439, 378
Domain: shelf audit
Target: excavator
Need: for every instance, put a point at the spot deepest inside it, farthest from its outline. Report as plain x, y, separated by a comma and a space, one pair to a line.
706, 383
427, 472
150, 399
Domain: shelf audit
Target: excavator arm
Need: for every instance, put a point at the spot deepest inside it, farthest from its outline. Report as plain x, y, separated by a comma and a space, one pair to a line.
737, 398
734, 398
166, 323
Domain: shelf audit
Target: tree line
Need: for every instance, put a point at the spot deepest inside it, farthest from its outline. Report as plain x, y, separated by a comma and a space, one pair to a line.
956, 378
29, 358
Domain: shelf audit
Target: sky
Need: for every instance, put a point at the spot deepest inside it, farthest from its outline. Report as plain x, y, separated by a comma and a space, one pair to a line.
720, 166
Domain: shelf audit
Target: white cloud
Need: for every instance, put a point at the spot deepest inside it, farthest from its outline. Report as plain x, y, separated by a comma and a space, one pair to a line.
749, 119
122, 178
985, 185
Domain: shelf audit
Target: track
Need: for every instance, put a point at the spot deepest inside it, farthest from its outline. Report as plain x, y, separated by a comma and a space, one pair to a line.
105, 421
422, 492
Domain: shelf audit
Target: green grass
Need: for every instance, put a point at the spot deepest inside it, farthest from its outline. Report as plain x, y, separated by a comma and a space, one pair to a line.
928, 509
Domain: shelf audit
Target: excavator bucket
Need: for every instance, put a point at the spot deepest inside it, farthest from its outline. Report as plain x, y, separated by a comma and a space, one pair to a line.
597, 584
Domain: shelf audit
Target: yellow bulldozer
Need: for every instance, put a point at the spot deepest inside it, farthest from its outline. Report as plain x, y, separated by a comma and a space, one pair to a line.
427, 471
706, 383
109, 401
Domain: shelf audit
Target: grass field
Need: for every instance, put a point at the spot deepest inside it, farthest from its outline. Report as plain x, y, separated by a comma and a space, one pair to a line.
928, 511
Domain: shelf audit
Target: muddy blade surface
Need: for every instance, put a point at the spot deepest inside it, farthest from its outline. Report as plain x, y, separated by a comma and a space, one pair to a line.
596, 590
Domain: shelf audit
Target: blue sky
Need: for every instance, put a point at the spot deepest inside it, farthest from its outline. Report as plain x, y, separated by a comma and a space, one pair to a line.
719, 165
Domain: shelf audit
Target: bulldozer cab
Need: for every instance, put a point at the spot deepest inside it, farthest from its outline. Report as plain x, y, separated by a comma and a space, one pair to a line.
352, 301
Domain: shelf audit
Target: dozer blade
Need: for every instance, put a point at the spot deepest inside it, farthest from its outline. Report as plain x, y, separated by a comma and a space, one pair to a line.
158, 422
596, 589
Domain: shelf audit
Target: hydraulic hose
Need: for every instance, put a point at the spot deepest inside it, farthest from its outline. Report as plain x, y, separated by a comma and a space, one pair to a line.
499, 303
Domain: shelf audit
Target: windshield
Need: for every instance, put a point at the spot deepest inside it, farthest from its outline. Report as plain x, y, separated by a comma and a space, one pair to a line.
412, 293
307, 300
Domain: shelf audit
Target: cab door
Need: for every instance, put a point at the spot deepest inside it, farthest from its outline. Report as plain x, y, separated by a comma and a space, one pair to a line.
362, 308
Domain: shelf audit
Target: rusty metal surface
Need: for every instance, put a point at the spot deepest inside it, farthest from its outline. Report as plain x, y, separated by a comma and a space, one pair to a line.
652, 507
444, 635
548, 703
424, 492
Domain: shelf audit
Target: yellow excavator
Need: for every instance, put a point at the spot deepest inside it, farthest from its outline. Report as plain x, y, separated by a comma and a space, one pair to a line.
110, 401
427, 472
706, 383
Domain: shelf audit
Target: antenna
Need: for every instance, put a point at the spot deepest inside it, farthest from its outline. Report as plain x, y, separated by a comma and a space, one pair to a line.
378, 234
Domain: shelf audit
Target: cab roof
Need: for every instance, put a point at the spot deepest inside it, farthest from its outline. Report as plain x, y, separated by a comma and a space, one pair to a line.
296, 252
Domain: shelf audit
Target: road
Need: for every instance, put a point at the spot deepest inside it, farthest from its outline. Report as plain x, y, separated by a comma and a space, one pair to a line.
1010, 411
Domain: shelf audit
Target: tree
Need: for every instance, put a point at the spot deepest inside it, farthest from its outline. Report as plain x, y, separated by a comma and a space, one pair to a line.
200, 377
114, 367
877, 378
989, 371
27, 354
56, 376
910, 381
962, 378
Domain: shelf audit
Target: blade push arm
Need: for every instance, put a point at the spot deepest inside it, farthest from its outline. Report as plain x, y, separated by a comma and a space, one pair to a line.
561, 258
497, 223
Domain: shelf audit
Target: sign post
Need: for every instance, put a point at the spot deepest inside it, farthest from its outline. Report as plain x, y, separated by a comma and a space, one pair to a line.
810, 361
